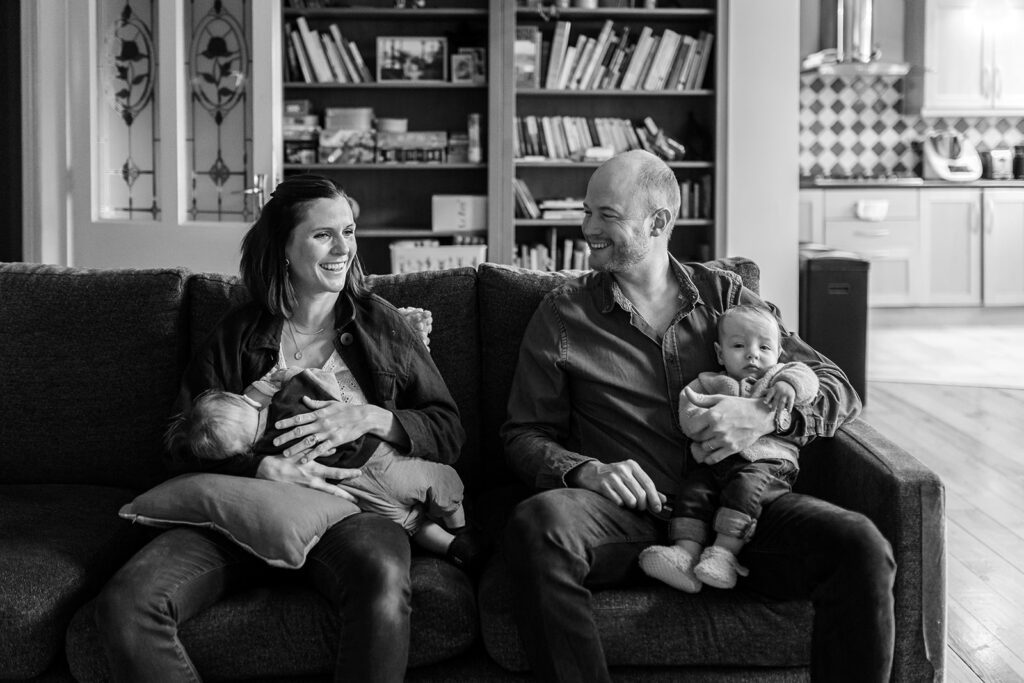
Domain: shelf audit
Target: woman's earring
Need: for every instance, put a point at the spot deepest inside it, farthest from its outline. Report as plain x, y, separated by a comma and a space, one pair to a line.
287, 263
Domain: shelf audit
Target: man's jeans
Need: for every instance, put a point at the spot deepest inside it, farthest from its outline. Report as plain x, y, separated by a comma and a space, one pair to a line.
562, 543
361, 565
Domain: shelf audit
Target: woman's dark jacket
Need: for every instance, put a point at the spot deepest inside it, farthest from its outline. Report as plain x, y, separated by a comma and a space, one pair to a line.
386, 356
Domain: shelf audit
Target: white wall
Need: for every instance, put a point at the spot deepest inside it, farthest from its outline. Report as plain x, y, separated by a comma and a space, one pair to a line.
761, 155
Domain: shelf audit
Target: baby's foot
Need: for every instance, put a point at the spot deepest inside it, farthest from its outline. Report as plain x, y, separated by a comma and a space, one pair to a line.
718, 567
670, 564
470, 549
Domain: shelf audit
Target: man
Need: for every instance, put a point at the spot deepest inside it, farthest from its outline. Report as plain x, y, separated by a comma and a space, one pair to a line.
592, 424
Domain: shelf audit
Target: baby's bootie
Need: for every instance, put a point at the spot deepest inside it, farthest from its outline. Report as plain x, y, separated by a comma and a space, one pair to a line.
470, 549
718, 567
670, 564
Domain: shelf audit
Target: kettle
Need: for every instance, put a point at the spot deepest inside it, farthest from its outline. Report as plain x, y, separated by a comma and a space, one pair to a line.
948, 155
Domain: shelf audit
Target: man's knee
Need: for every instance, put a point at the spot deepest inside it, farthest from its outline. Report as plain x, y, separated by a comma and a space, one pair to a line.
866, 553
121, 608
537, 520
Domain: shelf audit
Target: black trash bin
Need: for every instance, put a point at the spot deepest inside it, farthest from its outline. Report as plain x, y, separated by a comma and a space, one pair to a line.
834, 309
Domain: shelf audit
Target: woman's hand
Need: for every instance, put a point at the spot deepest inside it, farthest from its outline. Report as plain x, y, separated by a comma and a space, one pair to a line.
333, 423
308, 473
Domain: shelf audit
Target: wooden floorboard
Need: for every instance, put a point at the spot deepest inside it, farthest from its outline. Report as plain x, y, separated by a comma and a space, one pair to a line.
973, 438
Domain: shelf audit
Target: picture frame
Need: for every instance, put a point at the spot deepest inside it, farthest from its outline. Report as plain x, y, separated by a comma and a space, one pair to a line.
479, 63
420, 59
463, 68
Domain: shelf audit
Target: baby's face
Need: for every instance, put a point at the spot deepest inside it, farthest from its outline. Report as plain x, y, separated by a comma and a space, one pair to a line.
747, 345
241, 427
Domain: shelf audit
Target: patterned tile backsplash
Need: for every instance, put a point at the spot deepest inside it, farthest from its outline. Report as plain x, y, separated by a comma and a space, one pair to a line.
851, 126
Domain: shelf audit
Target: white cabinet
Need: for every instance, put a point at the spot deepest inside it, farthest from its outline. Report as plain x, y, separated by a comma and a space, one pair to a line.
1003, 254
884, 227
951, 247
973, 58
811, 216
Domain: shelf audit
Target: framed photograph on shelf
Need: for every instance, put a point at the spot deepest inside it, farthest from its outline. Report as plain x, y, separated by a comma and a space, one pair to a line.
412, 58
463, 68
479, 63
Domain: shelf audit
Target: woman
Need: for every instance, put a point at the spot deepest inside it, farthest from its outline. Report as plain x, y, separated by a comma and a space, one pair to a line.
310, 308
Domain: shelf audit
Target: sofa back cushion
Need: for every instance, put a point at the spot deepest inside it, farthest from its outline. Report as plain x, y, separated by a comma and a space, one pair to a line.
508, 298
89, 368
450, 295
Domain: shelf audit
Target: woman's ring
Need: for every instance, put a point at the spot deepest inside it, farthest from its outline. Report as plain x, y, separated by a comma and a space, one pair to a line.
708, 446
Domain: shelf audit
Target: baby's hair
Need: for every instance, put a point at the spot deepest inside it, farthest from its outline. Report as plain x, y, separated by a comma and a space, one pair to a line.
200, 428
746, 309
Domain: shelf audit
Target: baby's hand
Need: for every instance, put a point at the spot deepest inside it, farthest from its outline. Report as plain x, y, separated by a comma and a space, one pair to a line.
421, 320
781, 396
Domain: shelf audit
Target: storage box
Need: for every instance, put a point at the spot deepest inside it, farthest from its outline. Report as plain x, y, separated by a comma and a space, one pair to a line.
458, 212
411, 259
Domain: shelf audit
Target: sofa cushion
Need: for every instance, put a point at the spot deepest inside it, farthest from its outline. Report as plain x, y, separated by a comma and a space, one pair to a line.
288, 631
90, 362
653, 625
450, 295
58, 545
276, 521
508, 297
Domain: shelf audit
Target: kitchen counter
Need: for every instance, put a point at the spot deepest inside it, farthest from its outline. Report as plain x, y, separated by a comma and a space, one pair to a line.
807, 183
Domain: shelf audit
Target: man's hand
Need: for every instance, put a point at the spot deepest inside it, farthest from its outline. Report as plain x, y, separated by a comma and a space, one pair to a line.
727, 424
624, 483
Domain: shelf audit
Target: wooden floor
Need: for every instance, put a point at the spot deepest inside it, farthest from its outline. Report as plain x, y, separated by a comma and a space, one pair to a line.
973, 437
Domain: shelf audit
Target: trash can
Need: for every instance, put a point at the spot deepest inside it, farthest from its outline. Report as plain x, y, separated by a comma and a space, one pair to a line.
834, 309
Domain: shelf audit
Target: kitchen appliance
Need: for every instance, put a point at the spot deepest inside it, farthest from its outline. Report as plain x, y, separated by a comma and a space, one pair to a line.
948, 155
1000, 164
847, 31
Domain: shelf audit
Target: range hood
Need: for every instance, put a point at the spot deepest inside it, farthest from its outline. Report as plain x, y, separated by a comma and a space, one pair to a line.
849, 25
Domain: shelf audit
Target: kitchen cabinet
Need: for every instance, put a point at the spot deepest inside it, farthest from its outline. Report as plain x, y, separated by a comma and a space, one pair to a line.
1003, 252
972, 58
951, 247
884, 227
811, 214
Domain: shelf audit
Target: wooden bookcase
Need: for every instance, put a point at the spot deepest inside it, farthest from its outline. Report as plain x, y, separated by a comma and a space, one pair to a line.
396, 197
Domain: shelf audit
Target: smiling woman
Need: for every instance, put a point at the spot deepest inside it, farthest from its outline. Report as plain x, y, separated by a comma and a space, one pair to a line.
310, 312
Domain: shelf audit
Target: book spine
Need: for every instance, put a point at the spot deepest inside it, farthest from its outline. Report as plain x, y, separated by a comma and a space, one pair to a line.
315, 51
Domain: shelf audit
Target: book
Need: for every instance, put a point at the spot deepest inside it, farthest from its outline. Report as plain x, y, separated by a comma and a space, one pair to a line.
333, 58
303, 58
686, 54
601, 50
583, 59
360, 64
636, 61
661, 63
706, 40
351, 71
315, 51
572, 54
526, 53
559, 46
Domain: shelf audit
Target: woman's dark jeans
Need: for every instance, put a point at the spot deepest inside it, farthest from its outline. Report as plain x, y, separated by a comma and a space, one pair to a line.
361, 565
562, 543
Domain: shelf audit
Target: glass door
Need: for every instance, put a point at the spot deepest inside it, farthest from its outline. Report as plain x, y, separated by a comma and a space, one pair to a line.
172, 129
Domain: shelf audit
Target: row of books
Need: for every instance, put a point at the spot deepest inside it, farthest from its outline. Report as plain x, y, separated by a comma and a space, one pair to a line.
612, 60
554, 254
578, 138
694, 194
323, 56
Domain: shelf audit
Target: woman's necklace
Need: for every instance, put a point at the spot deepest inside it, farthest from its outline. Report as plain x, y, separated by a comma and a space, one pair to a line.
295, 342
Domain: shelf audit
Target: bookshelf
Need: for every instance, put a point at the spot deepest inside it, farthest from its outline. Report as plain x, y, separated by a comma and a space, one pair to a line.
396, 197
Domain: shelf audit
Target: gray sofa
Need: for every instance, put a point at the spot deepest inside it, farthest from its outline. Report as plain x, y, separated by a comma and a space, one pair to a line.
89, 365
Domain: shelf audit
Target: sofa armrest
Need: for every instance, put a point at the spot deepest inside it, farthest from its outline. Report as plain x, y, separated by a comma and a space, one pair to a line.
862, 470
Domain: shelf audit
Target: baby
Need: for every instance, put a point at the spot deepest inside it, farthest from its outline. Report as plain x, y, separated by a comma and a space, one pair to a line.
730, 494
410, 491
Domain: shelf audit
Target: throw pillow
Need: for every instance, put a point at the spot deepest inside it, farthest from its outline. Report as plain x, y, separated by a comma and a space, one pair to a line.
276, 521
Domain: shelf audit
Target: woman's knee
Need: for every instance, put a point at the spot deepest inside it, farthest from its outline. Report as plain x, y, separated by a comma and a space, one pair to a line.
123, 608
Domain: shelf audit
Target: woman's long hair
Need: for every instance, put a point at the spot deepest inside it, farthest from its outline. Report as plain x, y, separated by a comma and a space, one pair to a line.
263, 265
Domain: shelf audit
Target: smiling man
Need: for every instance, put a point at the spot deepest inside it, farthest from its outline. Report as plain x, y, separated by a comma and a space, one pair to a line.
592, 426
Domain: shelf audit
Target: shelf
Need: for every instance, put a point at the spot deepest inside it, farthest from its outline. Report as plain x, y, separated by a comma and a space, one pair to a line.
622, 14
548, 223
594, 164
387, 85
387, 13
544, 92
413, 233
385, 167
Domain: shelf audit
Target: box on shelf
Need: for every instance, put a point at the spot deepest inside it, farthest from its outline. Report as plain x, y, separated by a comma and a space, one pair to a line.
410, 258
346, 146
458, 212
424, 145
